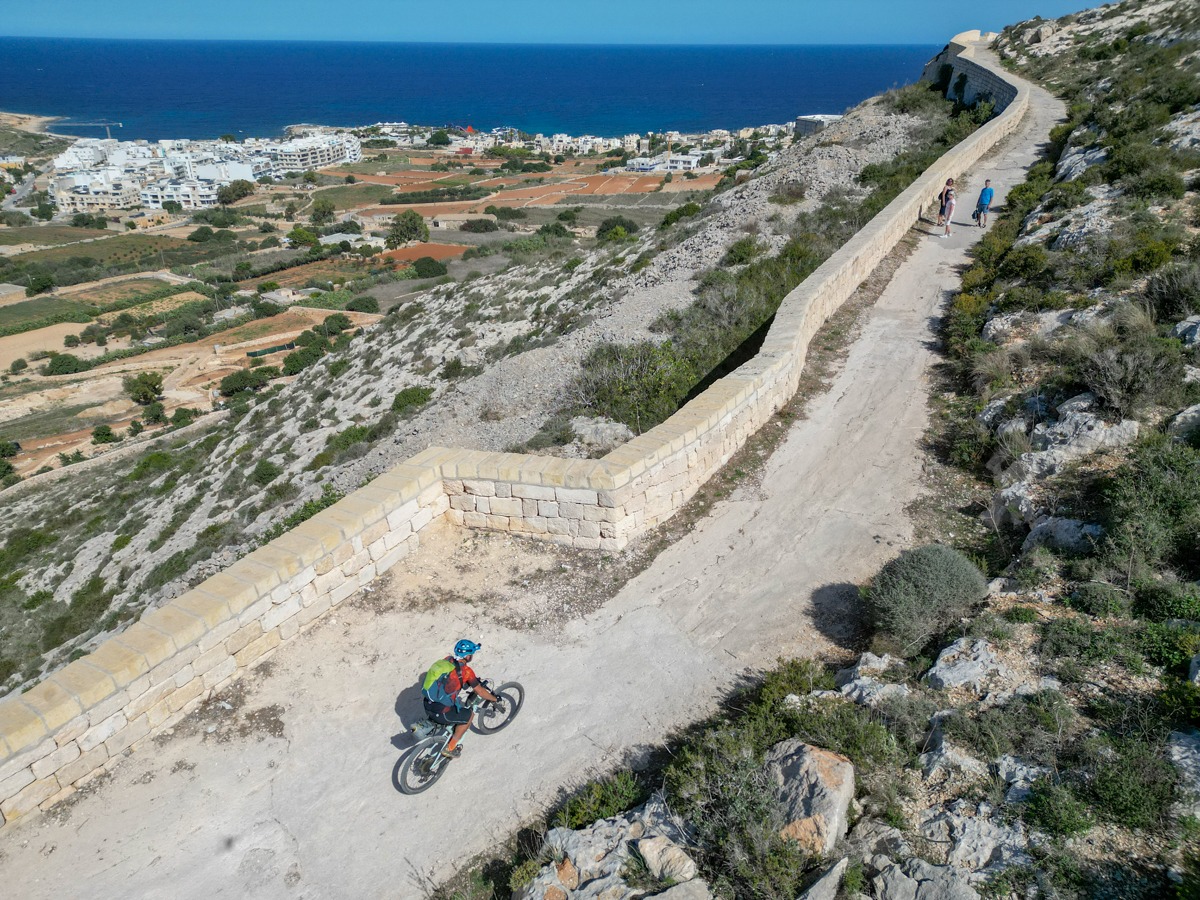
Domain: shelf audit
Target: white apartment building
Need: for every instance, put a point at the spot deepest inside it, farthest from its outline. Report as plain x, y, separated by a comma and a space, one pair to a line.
684, 162
95, 192
314, 152
190, 193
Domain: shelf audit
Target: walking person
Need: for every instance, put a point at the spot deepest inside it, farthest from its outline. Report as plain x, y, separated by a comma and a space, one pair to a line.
950, 200
942, 201
984, 203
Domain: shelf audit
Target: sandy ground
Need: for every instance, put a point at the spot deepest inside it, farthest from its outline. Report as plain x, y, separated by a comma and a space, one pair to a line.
50, 338
289, 791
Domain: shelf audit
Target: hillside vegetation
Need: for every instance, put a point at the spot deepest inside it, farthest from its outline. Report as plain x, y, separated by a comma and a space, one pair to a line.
1023, 723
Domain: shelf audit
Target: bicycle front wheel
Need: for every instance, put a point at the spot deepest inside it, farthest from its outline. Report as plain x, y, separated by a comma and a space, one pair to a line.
494, 716
423, 766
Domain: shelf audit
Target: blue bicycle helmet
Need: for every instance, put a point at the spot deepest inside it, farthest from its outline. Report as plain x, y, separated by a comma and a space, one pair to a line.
465, 648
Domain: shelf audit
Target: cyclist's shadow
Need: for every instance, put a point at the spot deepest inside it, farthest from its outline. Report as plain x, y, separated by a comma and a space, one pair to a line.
410, 710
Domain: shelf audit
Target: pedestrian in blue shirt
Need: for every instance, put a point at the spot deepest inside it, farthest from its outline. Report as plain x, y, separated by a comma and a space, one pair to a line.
985, 202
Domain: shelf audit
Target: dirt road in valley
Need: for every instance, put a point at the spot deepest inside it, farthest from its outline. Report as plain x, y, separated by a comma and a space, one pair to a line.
288, 792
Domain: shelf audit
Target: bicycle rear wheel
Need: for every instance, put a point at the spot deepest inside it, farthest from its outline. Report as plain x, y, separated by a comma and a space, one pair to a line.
491, 717
423, 766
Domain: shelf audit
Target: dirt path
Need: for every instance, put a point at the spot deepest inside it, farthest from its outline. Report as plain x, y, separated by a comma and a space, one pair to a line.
288, 792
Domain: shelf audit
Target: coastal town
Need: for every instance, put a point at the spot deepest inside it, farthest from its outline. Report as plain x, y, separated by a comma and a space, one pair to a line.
194, 262
108, 174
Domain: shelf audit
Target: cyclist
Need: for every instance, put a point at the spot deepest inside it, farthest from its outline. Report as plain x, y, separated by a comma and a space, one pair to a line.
444, 681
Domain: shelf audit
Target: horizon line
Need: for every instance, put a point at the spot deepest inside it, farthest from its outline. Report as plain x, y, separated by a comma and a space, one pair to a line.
230, 40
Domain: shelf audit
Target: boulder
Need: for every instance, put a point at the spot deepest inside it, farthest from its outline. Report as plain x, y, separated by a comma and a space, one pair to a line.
814, 788
1183, 750
872, 837
1188, 331
868, 664
1043, 33
857, 684
990, 414
915, 879
1058, 533
600, 434
1015, 505
1085, 402
589, 862
980, 843
826, 887
1186, 422
1081, 433
690, 890
946, 759
1077, 160
1194, 670
1186, 128
1018, 775
965, 663
665, 860
869, 692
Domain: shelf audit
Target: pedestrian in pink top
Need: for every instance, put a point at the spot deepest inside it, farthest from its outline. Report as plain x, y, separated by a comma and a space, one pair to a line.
949, 200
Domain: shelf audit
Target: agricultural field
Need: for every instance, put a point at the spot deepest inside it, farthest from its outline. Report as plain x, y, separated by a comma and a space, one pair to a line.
48, 235
437, 251
32, 310
118, 249
322, 270
104, 294
152, 307
350, 196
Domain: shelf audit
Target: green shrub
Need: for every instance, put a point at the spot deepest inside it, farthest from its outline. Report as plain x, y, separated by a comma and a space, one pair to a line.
88, 604
428, 267
639, 384
681, 212
299, 360
1097, 599
1055, 809
1151, 507
1131, 784
410, 399
1021, 615
1174, 293
265, 472
607, 230
600, 799
921, 592
742, 251
1169, 646
363, 305
1180, 701
103, 434
121, 542
1162, 600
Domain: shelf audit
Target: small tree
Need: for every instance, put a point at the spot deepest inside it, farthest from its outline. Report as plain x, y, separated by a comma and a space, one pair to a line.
439, 138
310, 177
303, 237
322, 211
234, 191
154, 414
18, 365
71, 340
143, 388
172, 206
103, 434
408, 226
428, 267
350, 179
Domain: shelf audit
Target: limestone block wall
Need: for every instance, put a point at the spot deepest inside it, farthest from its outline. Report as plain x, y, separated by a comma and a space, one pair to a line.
82, 720
982, 82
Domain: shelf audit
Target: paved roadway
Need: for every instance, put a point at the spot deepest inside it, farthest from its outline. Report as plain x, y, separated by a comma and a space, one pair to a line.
312, 812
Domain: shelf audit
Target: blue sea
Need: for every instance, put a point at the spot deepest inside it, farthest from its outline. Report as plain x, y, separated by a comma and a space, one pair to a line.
202, 89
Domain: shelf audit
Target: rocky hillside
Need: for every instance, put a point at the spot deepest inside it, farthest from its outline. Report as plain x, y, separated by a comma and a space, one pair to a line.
485, 363
1021, 718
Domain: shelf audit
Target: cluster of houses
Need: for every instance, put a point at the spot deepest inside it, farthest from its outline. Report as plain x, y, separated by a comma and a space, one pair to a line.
102, 174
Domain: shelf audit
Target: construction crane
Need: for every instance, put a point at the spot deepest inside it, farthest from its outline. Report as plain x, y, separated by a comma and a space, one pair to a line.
103, 123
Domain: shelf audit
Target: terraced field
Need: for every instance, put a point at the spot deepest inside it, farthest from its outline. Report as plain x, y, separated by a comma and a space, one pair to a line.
48, 235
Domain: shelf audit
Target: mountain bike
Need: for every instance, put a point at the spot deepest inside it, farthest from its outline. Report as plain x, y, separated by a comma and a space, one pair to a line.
425, 763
